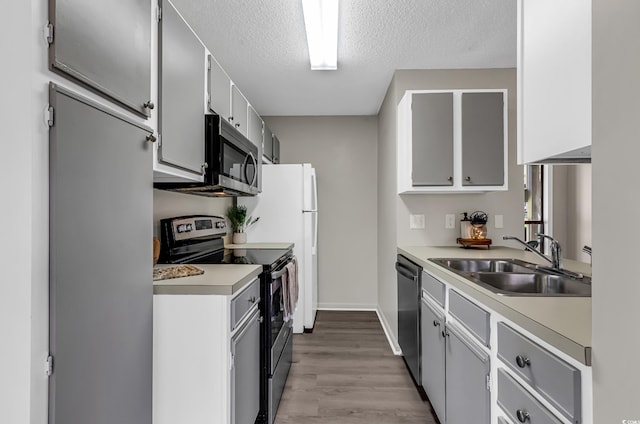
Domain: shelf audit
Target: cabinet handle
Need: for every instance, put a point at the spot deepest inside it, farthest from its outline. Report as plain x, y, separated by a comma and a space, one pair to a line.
436, 323
238, 125
523, 415
148, 104
252, 299
468, 179
450, 179
230, 119
152, 138
204, 167
445, 333
260, 319
523, 361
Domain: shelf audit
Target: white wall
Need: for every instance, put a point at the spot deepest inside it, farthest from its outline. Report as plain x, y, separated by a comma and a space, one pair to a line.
343, 149
17, 213
615, 153
435, 207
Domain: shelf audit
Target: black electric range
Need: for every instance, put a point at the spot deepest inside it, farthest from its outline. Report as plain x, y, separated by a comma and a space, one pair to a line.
197, 239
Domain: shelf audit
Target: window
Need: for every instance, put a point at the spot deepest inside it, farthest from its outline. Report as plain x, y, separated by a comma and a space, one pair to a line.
533, 202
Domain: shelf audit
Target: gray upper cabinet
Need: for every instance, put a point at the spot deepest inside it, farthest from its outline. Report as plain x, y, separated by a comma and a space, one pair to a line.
267, 143
482, 139
105, 46
255, 127
239, 106
182, 92
432, 139
276, 149
452, 141
219, 89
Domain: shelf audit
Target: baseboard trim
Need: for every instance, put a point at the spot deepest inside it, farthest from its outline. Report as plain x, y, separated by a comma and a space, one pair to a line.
346, 307
387, 332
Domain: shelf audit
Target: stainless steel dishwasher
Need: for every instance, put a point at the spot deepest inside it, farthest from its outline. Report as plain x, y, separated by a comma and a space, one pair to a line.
409, 314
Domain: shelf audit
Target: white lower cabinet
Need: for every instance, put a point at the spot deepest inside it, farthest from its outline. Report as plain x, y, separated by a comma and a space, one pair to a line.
455, 369
469, 350
206, 358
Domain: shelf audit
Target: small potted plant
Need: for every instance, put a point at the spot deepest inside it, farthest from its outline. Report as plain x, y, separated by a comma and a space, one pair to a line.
237, 216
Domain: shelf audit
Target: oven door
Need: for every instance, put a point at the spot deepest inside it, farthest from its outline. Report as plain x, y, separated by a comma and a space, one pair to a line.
235, 161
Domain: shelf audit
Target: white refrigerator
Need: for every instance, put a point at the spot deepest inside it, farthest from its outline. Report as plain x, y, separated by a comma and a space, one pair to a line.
288, 211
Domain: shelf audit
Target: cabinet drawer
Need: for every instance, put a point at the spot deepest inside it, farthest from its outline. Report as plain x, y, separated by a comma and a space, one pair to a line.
434, 287
518, 403
241, 304
473, 317
502, 421
555, 380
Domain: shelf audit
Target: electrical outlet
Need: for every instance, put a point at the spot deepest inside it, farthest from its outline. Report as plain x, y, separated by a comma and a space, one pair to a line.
499, 221
416, 222
449, 221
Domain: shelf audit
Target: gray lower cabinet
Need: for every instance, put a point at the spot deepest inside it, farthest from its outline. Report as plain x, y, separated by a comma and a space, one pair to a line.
245, 372
432, 139
483, 139
105, 45
468, 399
433, 356
101, 289
519, 404
181, 93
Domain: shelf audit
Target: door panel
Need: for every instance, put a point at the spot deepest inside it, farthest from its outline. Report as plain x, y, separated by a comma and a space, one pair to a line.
245, 348
433, 358
101, 289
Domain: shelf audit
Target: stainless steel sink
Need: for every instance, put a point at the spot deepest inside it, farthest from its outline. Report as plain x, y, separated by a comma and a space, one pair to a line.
531, 284
487, 265
513, 277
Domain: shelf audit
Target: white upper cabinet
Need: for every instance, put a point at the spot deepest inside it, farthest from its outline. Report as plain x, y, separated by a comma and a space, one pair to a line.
554, 81
452, 141
219, 89
239, 115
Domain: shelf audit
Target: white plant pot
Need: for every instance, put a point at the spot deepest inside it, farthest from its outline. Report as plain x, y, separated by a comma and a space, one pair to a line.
239, 238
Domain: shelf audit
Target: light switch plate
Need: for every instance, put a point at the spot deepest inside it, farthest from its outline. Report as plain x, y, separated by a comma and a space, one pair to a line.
416, 222
499, 221
449, 221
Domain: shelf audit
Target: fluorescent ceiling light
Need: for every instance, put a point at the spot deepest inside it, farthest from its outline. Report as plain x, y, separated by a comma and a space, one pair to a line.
321, 23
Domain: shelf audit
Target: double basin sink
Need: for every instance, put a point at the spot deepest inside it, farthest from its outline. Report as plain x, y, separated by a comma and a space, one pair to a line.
513, 277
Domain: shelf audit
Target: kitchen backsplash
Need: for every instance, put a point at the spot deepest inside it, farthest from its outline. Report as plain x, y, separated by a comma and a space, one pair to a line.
168, 204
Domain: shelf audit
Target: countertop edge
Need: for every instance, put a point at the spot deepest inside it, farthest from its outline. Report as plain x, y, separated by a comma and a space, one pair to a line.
563, 343
204, 289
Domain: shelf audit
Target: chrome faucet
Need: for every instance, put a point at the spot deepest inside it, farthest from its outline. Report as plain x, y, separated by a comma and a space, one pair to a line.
555, 259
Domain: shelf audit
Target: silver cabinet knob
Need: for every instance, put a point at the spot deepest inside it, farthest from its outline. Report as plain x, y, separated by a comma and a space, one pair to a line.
237, 124
523, 361
148, 104
204, 167
450, 179
230, 119
523, 415
468, 179
436, 323
252, 299
152, 138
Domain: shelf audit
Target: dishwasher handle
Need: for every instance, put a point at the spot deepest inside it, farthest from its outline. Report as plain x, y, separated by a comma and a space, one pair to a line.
405, 272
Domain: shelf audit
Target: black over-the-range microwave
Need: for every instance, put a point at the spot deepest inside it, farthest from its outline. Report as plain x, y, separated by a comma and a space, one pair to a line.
231, 163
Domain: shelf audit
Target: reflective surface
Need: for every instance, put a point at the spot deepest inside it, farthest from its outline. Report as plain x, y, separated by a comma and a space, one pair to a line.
513, 277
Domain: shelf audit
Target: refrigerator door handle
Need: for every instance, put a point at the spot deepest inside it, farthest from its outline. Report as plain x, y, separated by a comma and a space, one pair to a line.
314, 247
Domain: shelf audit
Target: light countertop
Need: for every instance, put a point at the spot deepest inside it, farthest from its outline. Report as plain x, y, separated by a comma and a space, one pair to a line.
216, 280
563, 322
260, 246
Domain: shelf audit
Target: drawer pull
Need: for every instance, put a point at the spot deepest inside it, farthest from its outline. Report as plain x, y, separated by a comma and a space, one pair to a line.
436, 323
252, 299
522, 361
523, 415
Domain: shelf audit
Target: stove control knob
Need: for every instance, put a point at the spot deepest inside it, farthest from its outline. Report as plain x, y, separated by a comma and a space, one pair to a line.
189, 227
221, 224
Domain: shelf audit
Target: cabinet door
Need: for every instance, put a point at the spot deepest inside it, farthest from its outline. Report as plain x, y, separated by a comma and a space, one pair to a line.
105, 45
467, 394
245, 374
432, 139
182, 78
219, 89
267, 143
238, 110
483, 135
255, 127
433, 357
101, 201
276, 149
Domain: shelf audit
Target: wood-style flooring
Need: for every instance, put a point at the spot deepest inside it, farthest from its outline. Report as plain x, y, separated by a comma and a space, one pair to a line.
345, 372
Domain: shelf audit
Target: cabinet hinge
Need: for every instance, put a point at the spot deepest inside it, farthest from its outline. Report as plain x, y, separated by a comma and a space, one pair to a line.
232, 363
208, 99
48, 33
159, 13
50, 116
159, 142
209, 62
48, 366
488, 382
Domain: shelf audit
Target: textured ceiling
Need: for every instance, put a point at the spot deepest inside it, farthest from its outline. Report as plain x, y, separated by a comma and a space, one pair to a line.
262, 46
